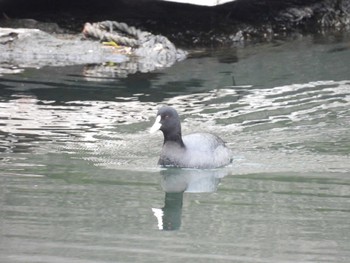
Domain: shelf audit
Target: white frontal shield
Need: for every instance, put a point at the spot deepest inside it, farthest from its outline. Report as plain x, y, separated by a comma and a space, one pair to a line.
156, 126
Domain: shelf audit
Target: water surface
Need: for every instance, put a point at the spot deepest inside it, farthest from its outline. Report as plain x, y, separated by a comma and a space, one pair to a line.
79, 180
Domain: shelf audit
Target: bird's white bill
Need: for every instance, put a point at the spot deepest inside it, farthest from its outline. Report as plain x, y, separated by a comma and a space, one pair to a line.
156, 126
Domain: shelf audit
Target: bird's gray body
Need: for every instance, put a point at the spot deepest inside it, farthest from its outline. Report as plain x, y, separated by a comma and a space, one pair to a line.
195, 154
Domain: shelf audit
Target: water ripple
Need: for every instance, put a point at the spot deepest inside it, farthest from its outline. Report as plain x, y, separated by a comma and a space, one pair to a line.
298, 118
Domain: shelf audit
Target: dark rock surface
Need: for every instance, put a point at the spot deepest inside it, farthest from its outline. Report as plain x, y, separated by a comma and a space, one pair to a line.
193, 26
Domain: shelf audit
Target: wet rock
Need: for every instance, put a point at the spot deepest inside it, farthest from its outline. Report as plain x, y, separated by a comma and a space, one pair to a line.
48, 27
34, 48
236, 23
189, 25
23, 48
158, 51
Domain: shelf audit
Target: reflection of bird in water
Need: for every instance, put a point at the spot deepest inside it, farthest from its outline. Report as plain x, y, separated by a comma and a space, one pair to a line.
196, 150
169, 217
175, 182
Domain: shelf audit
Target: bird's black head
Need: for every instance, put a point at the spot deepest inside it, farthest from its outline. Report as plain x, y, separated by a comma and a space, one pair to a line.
168, 121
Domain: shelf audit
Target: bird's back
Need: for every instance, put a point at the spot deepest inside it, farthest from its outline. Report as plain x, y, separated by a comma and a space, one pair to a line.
202, 150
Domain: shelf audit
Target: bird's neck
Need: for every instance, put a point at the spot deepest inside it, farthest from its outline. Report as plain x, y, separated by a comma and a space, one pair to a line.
174, 137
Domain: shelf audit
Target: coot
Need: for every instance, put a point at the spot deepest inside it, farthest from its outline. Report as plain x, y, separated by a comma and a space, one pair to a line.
196, 150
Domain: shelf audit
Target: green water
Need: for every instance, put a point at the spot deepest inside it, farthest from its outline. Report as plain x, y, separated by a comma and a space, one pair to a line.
79, 180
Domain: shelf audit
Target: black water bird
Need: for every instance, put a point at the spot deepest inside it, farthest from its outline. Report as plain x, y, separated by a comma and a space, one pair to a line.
196, 150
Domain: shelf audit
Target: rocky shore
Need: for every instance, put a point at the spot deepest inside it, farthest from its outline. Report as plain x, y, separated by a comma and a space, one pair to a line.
56, 35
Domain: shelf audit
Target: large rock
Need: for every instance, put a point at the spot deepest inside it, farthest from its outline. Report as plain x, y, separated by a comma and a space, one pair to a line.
22, 48
192, 26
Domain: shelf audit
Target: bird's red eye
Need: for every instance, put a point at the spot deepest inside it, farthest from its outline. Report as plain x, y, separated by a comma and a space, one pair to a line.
166, 116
